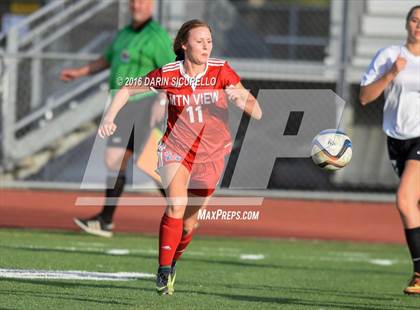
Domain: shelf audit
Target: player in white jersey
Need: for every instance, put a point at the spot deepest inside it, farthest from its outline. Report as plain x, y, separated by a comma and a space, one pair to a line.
395, 70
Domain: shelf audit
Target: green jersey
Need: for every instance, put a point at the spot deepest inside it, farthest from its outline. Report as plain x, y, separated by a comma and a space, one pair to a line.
136, 52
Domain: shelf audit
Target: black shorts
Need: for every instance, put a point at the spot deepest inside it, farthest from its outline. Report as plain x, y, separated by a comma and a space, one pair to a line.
402, 150
133, 127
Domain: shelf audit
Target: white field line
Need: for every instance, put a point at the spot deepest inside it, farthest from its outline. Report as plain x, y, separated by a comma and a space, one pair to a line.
118, 251
252, 256
383, 262
72, 275
357, 257
351, 259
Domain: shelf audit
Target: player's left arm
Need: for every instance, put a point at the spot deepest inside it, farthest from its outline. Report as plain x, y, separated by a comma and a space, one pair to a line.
244, 100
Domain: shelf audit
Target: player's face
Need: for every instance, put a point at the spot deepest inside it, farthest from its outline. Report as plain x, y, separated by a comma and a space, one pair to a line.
199, 45
413, 26
141, 10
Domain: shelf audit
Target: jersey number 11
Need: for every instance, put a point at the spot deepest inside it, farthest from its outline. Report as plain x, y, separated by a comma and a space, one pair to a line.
190, 111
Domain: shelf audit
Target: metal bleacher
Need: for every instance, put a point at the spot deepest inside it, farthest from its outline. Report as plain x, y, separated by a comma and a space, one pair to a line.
382, 24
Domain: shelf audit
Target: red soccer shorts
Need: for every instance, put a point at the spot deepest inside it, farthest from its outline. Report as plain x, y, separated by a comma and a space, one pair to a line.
204, 177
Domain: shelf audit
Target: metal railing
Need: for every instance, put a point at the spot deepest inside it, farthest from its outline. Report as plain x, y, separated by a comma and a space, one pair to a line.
34, 108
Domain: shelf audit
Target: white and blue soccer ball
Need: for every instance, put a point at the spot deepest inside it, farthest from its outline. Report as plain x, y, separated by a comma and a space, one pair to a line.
331, 149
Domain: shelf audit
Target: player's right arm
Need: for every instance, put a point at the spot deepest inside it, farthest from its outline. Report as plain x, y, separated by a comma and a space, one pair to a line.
108, 126
372, 91
93, 67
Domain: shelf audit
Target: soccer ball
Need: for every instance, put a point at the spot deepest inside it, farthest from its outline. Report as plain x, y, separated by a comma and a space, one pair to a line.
331, 149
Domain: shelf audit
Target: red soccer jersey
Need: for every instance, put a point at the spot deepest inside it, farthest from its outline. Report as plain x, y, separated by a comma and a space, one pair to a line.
197, 124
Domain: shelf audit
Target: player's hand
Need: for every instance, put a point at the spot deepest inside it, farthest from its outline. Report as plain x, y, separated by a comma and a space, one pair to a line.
398, 65
106, 129
237, 95
158, 112
69, 74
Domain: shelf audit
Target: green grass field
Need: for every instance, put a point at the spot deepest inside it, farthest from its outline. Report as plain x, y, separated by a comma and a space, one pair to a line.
214, 274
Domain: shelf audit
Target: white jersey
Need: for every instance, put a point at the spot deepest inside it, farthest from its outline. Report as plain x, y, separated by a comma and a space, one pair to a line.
402, 96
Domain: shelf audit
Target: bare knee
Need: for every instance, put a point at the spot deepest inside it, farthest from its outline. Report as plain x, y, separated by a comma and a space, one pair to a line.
408, 209
116, 160
402, 201
176, 206
175, 209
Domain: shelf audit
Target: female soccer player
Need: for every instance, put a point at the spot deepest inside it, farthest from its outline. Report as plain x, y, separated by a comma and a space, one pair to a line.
191, 153
396, 71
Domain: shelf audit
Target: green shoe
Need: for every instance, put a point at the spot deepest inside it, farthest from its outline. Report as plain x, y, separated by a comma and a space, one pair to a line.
171, 280
163, 280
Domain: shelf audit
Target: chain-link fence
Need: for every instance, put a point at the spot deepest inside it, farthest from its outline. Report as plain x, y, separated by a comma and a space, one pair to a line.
271, 44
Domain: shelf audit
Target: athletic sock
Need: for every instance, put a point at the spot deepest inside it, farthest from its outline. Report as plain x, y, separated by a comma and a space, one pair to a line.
169, 237
413, 240
185, 240
164, 269
115, 186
